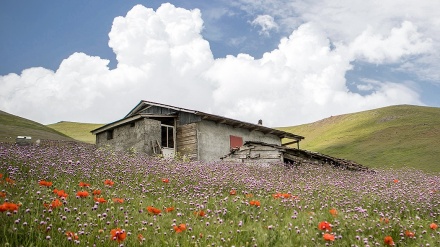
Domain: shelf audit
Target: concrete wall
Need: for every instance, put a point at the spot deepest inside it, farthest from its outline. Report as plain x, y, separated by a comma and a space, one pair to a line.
214, 140
141, 136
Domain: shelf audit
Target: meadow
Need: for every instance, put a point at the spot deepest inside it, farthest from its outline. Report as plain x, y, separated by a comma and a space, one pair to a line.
76, 195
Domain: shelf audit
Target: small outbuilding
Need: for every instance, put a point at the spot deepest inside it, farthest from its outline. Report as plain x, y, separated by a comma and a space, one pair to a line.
155, 128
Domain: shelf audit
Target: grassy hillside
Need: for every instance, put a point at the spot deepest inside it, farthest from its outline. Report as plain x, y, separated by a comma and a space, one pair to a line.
78, 131
395, 136
12, 126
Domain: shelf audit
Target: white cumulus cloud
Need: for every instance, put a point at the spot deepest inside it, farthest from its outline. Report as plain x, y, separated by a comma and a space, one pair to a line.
266, 23
162, 57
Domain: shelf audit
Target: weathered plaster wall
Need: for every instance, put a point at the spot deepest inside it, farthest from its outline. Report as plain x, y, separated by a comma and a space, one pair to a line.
214, 141
140, 136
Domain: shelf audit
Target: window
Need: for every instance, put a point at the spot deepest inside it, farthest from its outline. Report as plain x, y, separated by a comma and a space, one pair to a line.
109, 134
236, 141
167, 136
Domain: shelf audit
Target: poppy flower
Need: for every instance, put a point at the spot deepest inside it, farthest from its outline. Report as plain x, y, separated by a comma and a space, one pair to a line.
45, 183
118, 235
118, 200
82, 184
200, 213
324, 226
109, 182
165, 180
328, 237
72, 235
56, 203
395, 181
409, 234
10, 181
433, 226
60, 193
8, 206
255, 203
388, 240
249, 195
82, 194
180, 228
140, 237
333, 212
100, 199
233, 192
96, 192
2, 194
385, 220
153, 210
170, 209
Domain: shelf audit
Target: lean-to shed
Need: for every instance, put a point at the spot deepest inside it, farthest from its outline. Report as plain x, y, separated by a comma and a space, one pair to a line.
155, 128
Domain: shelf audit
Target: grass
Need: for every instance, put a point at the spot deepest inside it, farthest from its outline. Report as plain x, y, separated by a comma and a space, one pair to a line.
78, 131
12, 126
368, 207
395, 136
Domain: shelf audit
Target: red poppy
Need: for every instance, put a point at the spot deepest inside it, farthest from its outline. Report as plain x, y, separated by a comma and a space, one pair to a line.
333, 212
433, 226
388, 240
45, 183
233, 192
153, 210
170, 209
118, 200
82, 194
118, 235
8, 206
100, 199
140, 237
328, 237
395, 181
10, 181
56, 203
324, 226
385, 220
180, 228
165, 180
60, 193
109, 182
72, 235
82, 184
200, 213
409, 234
255, 203
2, 194
96, 192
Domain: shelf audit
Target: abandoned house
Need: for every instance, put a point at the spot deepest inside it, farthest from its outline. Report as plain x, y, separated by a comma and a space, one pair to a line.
156, 128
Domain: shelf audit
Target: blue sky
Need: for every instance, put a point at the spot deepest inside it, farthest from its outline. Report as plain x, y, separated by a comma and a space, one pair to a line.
286, 62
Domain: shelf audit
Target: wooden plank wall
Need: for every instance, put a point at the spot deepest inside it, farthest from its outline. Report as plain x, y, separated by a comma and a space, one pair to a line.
186, 140
259, 154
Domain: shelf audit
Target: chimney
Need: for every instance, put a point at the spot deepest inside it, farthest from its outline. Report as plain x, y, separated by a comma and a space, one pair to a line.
260, 122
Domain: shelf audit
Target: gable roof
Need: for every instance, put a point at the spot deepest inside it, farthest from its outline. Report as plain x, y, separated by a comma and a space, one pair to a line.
143, 104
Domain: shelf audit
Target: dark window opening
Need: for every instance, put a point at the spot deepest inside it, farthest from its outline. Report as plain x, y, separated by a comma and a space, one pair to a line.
132, 124
109, 134
167, 136
236, 141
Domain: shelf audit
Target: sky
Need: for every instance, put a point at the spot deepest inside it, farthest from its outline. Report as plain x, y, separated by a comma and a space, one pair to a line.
287, 62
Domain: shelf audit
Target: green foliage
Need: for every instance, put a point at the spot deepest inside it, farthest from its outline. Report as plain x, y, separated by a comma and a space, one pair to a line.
395, 136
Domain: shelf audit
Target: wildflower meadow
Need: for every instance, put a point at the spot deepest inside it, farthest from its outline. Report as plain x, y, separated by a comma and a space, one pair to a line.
76, 195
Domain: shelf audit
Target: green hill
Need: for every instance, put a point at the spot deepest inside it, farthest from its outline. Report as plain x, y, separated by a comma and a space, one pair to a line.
78, 131
12, 126
395, 136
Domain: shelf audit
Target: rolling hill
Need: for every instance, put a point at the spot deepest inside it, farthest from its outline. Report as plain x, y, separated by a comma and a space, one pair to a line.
12, 126
78, 131
394, 136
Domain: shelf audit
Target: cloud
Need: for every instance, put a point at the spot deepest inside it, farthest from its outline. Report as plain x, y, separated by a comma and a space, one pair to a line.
162, 57
266, 23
